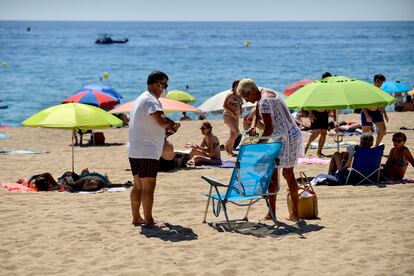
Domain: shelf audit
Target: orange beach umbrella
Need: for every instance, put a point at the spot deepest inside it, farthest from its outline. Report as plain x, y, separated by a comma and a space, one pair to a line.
169, 106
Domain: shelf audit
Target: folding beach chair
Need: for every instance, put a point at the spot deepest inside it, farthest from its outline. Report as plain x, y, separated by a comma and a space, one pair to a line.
366, 165
250, 179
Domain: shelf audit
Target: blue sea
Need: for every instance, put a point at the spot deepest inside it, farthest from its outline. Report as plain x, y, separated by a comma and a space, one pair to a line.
49, 63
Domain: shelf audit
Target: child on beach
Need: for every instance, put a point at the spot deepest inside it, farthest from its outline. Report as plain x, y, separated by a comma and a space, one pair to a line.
398, 159
208, 153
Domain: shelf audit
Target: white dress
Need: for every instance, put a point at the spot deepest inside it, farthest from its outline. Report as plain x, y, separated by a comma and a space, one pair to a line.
284, 125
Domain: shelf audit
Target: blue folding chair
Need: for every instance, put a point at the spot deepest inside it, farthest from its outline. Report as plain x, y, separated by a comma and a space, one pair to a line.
366, 165
250, 179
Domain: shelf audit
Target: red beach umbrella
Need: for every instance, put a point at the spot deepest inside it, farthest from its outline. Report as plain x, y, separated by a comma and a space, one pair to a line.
93, 97
295, 86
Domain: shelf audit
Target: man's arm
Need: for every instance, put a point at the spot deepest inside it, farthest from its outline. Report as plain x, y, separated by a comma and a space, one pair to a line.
164, 121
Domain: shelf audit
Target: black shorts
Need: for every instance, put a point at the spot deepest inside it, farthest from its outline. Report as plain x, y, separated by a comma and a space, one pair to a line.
321, 120
144, 167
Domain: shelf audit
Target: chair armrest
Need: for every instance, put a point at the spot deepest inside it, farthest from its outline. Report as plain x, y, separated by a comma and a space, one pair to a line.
213, 182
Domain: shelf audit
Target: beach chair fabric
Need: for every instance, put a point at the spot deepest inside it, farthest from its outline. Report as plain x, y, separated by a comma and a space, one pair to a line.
366, 165
250, 179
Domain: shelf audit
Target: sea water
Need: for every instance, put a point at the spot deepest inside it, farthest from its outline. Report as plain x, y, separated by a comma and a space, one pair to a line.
45, 65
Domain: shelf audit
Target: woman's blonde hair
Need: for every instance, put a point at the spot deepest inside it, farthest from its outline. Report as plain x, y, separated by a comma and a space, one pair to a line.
245, 86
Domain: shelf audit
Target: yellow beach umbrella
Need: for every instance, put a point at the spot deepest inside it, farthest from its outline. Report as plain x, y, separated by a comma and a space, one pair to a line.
73, 116
181, 96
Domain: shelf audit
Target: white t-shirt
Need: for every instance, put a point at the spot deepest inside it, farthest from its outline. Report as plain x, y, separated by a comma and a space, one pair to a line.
145, 135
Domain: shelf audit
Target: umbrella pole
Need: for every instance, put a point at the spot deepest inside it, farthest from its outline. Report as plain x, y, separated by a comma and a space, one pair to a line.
73, 153
337, 130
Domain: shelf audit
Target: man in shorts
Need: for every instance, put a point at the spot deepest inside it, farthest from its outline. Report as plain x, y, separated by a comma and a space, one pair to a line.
375, 115
147, 127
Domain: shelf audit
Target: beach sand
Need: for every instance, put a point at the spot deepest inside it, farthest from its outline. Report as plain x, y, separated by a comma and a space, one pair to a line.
364, 230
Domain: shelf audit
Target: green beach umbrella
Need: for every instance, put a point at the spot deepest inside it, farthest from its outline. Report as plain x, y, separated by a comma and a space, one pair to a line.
181, 96
73, 116
338, 92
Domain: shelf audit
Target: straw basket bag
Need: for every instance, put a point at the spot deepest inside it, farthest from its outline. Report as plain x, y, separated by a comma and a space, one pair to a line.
308, 201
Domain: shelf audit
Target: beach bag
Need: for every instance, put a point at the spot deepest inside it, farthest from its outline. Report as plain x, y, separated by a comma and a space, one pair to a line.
98, 138
308, 201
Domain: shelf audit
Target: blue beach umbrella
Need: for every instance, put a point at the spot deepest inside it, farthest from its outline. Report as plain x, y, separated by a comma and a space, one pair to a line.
395, 87
101, 88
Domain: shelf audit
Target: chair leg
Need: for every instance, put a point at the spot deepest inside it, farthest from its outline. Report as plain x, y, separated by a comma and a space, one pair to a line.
247, 212
208, 203
273, 214
225, 214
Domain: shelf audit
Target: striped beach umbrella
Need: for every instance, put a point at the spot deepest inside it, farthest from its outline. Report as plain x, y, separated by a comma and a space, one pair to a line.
93, 97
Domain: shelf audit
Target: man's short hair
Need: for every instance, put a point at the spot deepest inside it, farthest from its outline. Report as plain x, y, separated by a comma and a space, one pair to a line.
366, 137
156, 76
379, 77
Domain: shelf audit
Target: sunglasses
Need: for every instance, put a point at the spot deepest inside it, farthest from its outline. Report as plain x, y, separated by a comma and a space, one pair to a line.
164, 84
399, 140
203, 128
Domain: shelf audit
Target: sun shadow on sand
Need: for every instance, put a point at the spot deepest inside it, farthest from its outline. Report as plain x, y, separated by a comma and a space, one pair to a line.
170, 232
103, 145
261, 230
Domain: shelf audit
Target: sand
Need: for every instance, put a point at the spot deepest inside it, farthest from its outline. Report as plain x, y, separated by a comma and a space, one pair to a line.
365, 230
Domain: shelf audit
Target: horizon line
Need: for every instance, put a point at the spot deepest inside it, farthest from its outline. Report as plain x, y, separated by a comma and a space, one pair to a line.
204, 21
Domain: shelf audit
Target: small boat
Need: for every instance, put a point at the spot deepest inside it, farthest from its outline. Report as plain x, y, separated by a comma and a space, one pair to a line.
106, 39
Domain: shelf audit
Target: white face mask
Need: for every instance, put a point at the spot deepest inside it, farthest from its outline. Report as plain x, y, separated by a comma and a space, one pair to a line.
164, 93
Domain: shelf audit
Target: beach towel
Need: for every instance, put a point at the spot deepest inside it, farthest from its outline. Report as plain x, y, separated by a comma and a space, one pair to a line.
17, 188
3, 135
313, 160
314, 145
23, 151
403, 181
225, 164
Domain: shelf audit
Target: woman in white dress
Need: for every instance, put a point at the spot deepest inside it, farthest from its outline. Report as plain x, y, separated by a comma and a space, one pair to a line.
277, 121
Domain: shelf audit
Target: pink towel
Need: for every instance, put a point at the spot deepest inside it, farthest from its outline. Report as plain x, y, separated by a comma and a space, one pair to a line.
17, 188
313, 160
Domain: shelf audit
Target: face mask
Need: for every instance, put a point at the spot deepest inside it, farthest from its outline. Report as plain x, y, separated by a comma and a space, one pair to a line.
164, 93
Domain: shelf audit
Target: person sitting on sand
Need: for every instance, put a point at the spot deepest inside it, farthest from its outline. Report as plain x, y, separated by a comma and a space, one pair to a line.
208, 153
167, 157
342, 160
408, 105
399, 158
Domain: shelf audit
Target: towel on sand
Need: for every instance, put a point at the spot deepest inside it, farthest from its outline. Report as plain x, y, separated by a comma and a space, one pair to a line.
312, 160
23, 151
3, 135
314, 145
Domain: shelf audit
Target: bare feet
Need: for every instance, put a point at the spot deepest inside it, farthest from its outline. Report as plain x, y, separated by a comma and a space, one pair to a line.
138, 222
268, 217
293, 218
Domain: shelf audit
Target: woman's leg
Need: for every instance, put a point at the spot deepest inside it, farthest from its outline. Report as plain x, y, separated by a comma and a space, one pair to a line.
232, 123
312, 137
289, 175
202, 160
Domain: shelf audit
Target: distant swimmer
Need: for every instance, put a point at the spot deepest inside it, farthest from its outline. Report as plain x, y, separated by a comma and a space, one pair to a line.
28, 29
247, 43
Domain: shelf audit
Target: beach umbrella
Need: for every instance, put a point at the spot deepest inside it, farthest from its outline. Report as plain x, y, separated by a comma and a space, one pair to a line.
181, 96
73, 116
395, 87
338, 92
101, 88
292, 88
93, 97
215, 103
169, 106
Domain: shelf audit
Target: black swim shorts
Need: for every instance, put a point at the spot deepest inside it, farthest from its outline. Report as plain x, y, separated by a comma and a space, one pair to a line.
144, 167
321, 120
